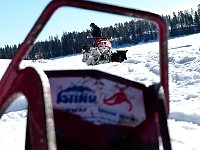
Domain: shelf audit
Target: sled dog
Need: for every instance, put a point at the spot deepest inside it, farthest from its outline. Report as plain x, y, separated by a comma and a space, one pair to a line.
85, 52
94, 56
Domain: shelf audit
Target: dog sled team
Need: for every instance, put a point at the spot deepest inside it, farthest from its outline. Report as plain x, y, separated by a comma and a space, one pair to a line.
100, 52
96, 55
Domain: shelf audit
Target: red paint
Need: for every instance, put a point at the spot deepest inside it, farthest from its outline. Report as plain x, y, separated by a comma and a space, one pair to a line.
118, 98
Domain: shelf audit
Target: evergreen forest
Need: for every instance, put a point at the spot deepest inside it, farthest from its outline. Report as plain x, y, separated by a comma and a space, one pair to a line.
132, 32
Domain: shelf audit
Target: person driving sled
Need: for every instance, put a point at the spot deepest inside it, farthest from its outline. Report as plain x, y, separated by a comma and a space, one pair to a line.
95, 34
95, 30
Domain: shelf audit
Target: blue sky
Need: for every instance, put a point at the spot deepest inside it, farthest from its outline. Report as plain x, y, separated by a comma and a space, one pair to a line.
18, 17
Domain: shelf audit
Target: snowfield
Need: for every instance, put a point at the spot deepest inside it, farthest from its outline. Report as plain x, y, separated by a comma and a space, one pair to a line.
142, 66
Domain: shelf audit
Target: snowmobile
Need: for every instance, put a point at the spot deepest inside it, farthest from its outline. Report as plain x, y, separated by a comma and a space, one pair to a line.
101, 52
96, 113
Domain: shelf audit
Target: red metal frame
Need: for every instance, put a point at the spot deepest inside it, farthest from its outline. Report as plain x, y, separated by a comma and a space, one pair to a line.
13, 76
11, 73
34, 84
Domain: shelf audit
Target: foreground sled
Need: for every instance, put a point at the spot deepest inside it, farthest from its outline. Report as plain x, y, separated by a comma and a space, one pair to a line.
100, 111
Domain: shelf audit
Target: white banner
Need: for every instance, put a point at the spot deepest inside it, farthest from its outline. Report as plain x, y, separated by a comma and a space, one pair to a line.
100, 101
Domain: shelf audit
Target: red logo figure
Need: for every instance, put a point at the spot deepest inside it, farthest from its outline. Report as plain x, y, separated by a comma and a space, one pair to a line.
118, 98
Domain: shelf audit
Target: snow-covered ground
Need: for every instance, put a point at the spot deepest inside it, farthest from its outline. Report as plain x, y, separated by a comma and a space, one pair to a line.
142, 66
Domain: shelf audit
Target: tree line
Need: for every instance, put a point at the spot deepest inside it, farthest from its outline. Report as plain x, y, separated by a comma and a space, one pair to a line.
132, 32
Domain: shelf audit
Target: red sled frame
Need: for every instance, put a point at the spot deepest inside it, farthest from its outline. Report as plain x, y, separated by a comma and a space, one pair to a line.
16, 80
